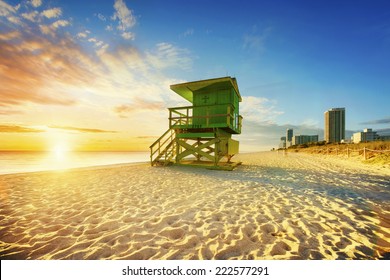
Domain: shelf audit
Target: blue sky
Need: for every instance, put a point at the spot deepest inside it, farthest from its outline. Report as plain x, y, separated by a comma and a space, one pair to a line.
293, 60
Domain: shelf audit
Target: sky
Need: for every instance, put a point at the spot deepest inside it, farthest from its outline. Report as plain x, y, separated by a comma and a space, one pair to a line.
95, 75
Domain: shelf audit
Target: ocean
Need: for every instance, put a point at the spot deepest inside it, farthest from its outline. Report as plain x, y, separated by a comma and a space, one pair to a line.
20, 162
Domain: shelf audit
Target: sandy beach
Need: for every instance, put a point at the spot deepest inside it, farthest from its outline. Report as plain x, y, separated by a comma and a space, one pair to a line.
297, 206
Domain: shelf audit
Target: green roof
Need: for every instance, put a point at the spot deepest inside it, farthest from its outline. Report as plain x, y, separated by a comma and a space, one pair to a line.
186, 90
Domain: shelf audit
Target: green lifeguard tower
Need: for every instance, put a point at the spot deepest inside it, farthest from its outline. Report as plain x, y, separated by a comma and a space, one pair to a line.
201, 134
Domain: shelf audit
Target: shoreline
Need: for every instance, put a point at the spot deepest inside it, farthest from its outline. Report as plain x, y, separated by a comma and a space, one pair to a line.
335, 159
91, 167
272, 207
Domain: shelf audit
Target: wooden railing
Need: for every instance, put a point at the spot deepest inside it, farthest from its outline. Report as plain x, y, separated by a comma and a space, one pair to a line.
163, 148
205, 117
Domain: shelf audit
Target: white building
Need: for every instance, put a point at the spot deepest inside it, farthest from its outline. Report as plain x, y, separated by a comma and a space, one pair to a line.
366, 136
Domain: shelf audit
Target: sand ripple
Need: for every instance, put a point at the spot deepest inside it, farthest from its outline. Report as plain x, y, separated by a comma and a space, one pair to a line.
272, 207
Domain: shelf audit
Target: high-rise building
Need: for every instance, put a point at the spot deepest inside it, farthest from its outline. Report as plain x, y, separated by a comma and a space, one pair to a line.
289, 137
335, 125
282, 144
289, 134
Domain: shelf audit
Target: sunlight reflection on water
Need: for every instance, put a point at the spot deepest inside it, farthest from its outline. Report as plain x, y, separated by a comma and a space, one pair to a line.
18, 162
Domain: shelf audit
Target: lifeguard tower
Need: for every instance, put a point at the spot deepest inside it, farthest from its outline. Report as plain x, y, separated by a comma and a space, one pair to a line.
201, 134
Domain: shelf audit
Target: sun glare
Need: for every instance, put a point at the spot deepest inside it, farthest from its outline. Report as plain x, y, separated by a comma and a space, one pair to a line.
60, 151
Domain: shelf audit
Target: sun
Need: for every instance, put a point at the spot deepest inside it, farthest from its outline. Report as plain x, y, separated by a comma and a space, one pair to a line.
60, 150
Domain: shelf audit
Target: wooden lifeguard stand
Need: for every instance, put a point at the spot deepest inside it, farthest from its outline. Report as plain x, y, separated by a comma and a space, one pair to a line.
201, 135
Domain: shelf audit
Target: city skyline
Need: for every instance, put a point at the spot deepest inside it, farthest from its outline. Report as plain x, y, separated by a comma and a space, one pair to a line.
95, 75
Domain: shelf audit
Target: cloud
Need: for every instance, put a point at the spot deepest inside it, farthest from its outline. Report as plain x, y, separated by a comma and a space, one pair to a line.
10, 36
37, 70
126, 20
18, 129
52, 13
101, 17
36, 3
96, 42
6, 9
6, 112
31, 16
82, 34
52, 28
255, 41
188, 32
123, 15
15, 20
166, 55
53, 68
380, 121
259, 109
128, 35
13, 15
148, 137
383, 131
125, 110
60, 23
80, 129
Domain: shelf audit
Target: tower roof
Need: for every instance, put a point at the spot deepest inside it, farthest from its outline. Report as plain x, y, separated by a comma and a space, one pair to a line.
186, 90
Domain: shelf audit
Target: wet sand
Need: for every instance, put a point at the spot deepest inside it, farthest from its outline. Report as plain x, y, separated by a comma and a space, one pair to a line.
272, 207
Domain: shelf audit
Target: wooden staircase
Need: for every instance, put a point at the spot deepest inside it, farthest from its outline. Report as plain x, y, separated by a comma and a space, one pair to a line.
163, 150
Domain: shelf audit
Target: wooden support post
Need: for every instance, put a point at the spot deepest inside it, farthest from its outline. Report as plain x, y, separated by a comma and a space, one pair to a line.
198, 155
216, 153
364, 153
177, 150
348, 152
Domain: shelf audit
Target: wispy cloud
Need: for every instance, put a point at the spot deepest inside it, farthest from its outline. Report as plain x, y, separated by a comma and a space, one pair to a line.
101, 17
96, 42
51, 29
18, 129
83, 34
167, 55
380, 121
31, 16
125, 110
81, 129
33, 69
128, 35
259, 109
188, 32
10, 36
255, 40
148, 137
6, 9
